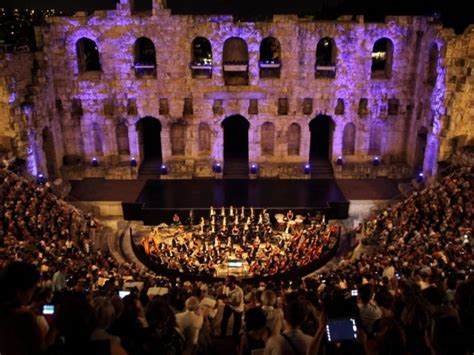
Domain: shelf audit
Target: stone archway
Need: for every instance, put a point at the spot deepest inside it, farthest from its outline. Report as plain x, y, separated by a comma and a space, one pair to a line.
236, 146
49, 151
421, 141
149, 138
321, 128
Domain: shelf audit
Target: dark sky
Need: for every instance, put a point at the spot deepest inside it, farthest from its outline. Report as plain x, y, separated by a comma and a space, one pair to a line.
453, 13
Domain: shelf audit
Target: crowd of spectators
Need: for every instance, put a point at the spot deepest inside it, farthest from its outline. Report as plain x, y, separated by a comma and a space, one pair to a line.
412, 293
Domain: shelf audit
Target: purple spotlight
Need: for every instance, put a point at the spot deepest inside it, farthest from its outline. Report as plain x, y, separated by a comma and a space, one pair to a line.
217, 168
163, 169
253, 169
40, 179
339, 160
94, 162
420, 177
133, 162
307, 168
376, 161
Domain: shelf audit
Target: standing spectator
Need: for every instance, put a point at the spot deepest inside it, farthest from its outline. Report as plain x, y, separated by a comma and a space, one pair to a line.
369, 311
274, 316
190, 323
234, 305
59, 279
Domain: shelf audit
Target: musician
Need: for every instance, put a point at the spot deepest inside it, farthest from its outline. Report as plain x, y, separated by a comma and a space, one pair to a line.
212, 212
234, 305
290, 215
176, 220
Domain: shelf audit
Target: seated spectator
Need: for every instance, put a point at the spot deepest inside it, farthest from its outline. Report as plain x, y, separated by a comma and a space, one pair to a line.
75, 324
162, 336
104, 316
19, 330
369, 311
292, 340
256, 332
274, 316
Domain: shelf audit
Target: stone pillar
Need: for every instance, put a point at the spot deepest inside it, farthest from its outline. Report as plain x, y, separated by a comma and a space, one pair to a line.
165, 143
218, 143
134, 143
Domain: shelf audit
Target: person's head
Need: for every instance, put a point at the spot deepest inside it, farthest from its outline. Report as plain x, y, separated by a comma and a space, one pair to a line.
230, 282
192, 304
446, 336
18, 283
295, 313
365, 293
255, 319
74, 319
268, 298
159, 315
389, 337
103, 311
384, 299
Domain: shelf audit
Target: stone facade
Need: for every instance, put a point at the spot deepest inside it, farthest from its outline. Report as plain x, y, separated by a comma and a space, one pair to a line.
60, 116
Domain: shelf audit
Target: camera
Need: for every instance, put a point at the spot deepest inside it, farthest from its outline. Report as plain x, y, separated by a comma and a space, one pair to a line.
48, 309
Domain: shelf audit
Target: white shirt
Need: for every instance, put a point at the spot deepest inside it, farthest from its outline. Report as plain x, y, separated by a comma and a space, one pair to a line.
189, 323
236, 296
278, 345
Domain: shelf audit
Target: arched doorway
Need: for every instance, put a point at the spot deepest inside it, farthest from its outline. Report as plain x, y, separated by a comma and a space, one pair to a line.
149, 138
236, 146
320, 149
421, 140
49, 151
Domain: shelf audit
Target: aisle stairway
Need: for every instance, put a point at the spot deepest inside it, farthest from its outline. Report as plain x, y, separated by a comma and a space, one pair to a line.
321, 169
236, 169
150, 168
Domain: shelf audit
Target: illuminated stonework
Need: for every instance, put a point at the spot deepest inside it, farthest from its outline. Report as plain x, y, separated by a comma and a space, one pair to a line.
391, 104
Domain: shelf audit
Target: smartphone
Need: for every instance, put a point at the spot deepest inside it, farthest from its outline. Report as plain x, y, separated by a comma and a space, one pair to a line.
340, 329
354, 293
48, 309
123, 293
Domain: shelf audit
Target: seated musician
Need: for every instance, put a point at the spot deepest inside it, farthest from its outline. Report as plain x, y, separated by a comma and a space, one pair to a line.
290, 215
176, 220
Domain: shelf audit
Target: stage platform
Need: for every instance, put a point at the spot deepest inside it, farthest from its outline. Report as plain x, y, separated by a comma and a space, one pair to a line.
160, 199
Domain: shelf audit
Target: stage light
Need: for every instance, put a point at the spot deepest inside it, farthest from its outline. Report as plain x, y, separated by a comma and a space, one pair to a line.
217, 167
420, 177
376, 161
307, 168
133, 162
40, 179
339, 160
94, 162
253, 169
163, 169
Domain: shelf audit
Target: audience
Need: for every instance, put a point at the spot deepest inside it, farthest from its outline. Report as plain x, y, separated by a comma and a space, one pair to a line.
415, 287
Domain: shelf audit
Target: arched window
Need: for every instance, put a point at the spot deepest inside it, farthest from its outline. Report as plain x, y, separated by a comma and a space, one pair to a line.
348, 139
98, 148
144, 58
433, 65
87, 55
178, 139
201, 64
382, 55
121, 133
375, 139
326, 52
294, 139
270, 58
267, 138
236, 61
204, 137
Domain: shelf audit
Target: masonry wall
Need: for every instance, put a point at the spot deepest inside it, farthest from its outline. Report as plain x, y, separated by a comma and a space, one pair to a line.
422, 107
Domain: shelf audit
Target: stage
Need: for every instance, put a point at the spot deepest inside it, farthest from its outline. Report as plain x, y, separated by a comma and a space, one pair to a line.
160, 199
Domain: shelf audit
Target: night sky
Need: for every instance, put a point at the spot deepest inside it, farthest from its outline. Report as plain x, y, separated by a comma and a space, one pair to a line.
453, 13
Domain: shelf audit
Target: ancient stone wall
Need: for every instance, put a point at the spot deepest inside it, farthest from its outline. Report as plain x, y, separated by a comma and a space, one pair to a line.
394, 115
